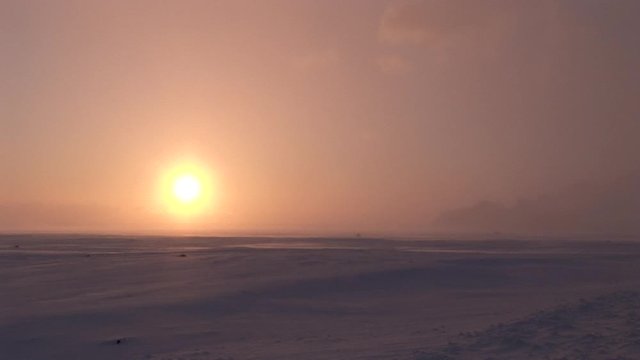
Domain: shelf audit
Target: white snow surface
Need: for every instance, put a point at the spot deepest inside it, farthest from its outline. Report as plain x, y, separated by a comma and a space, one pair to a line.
118, 297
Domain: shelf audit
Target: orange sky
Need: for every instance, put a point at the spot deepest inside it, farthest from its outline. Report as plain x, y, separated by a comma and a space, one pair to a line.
311, 116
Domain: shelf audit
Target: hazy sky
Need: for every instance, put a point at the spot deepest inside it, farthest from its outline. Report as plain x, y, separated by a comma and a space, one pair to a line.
312, 116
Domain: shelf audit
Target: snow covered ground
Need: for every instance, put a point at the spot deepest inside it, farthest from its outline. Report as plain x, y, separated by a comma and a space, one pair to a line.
101, 297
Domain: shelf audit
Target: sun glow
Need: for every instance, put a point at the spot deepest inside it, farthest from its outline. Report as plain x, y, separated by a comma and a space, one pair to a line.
187, 190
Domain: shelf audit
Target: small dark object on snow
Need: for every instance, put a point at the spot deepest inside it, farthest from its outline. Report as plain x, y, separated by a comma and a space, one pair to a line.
17, 246
183, 255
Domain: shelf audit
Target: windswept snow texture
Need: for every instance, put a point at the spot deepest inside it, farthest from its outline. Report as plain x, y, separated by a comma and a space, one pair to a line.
607, 327
100, 297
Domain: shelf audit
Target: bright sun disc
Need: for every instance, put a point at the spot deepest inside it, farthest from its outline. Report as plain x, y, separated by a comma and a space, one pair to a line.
187, 188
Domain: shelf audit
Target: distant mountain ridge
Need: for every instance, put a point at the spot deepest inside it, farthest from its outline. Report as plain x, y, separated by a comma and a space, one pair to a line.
608, 208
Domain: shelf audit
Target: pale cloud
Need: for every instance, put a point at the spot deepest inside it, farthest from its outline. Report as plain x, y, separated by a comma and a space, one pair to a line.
436, 22
466, 26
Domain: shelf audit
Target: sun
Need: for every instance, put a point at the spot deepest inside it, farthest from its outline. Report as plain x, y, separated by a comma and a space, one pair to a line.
187, 188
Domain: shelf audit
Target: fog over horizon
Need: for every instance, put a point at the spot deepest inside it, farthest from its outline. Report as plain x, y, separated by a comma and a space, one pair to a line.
392, 116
